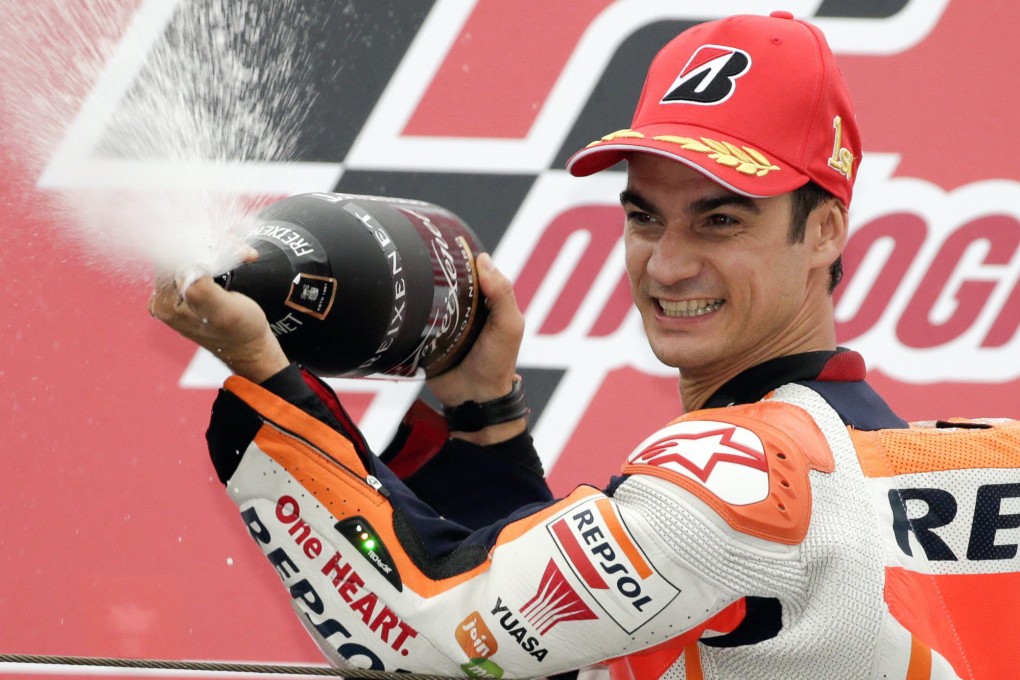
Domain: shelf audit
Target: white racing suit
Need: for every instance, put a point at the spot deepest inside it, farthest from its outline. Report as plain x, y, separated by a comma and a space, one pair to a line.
751, 541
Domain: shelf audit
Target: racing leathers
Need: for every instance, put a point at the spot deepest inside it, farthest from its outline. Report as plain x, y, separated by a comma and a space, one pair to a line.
756, 537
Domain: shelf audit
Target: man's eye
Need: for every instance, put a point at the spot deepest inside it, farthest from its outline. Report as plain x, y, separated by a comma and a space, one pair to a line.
638, 217
719, 220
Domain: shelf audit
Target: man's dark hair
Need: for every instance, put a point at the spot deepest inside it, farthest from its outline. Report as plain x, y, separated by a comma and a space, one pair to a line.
806, 199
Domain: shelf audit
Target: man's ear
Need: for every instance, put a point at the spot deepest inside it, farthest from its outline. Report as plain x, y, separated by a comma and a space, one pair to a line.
829, 225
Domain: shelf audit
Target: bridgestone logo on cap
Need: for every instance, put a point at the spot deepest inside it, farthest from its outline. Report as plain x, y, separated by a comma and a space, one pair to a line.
709, 76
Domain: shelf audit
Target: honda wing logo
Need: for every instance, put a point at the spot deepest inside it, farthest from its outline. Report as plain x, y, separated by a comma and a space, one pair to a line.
555, 602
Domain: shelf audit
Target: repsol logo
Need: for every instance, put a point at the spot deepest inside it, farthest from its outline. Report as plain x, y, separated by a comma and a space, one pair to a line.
602, 554
932, 515
609, 560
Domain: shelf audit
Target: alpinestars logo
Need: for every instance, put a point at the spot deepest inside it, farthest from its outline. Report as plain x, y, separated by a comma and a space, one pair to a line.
727, 460
709, 77
555, 602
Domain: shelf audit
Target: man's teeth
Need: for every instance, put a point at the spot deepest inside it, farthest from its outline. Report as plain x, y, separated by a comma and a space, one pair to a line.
689, 308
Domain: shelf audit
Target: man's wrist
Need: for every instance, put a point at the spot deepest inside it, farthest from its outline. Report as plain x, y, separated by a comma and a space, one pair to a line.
257, 361
474, 416
493, 434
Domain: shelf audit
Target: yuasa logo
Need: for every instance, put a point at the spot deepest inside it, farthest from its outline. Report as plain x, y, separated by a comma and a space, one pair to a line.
727, 460
555, 602
610, 565
525, 637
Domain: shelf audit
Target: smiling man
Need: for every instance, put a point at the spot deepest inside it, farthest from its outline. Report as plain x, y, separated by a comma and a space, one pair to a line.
741, 159
724, 281
765, 533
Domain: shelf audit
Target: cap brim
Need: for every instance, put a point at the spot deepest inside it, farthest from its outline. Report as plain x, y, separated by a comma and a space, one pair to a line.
738, 167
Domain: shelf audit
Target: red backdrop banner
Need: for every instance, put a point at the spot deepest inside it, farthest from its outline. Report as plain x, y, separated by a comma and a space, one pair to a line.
115, 537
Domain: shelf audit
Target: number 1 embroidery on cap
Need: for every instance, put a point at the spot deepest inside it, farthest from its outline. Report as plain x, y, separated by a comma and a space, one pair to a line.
842, 160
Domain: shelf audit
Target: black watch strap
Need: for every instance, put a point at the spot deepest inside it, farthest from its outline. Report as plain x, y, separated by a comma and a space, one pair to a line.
472, 416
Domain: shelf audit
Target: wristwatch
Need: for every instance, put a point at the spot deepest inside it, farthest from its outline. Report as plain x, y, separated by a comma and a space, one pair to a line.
472, 416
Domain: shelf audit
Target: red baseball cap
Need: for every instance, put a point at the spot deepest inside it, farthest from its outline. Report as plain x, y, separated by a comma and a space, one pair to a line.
756, 103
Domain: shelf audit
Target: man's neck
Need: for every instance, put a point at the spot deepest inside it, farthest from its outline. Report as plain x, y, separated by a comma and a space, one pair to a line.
811, 330
694, 394
697, 387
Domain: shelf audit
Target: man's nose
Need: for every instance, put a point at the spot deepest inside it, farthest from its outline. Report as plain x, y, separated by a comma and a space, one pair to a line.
674, 258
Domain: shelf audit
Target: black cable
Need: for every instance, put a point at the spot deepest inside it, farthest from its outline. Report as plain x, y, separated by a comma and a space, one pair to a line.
352, 673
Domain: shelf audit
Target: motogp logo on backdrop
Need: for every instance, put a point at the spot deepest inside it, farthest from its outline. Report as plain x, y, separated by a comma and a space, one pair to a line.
562, 247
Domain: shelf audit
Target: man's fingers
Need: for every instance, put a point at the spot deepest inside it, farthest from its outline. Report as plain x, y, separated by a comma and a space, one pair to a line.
201, 293
180, 312
165, 300
500, 298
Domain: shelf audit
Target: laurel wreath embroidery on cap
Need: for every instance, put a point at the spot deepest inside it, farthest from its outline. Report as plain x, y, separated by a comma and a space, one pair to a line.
743, 159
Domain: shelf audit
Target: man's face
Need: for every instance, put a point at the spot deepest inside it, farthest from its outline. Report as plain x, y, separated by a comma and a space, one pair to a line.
719, 286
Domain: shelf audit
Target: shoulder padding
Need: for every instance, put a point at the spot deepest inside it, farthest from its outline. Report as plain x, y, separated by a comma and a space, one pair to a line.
749, 463
293, 420
939, 446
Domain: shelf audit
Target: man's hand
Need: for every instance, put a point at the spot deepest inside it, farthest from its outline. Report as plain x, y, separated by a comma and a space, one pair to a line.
228, 324
488, 370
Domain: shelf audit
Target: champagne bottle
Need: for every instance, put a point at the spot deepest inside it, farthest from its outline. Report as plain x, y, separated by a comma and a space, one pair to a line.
358, 286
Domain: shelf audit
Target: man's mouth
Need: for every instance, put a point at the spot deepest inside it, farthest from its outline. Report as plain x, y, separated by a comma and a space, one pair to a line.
688, 308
